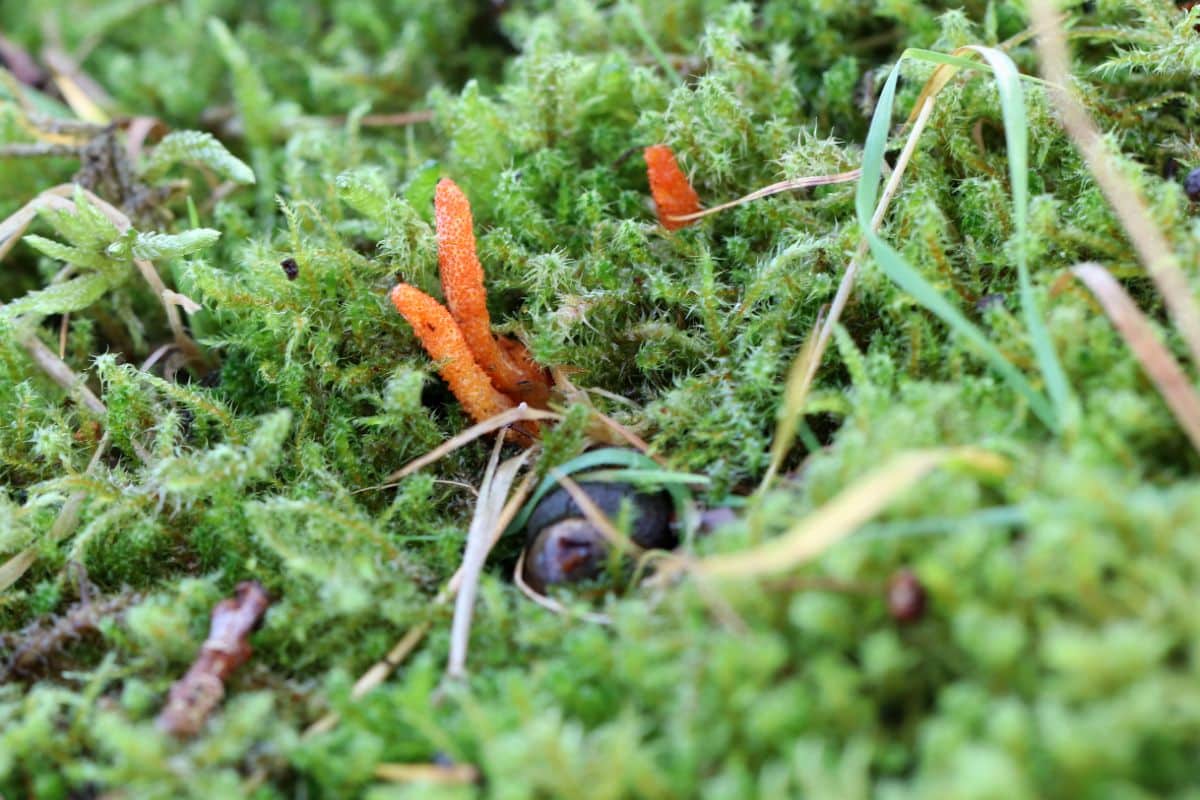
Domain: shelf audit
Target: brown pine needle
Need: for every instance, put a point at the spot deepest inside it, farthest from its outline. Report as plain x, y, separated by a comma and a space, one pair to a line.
1126, 200
442, 774
1164, 371
623, 434
519, 414
775, 188
837, 519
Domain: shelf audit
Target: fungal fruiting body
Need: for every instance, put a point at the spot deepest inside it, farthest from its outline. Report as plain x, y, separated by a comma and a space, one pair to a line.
673, 193
445, 343
511, 369
487, 374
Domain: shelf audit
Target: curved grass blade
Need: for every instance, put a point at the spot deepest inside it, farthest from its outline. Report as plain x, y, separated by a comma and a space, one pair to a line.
911, 281
606, 457
854, 506
1016, 137
1168, 377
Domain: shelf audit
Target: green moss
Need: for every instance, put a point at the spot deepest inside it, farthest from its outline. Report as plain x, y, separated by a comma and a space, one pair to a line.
1056, 657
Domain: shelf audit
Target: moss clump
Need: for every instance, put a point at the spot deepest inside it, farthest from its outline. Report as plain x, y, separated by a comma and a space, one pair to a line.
1057, 655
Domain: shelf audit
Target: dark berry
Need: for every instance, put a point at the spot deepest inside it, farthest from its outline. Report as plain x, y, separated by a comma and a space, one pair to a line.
905, 597
1191, 185
290, 268
562, 546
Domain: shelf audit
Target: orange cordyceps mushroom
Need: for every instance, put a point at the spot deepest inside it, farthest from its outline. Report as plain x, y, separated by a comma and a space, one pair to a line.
507, 362
673, 193
444, 342
487, 374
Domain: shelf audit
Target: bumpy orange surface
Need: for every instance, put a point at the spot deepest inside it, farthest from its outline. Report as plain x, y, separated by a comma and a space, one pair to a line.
462, 283
442, 339
673, 194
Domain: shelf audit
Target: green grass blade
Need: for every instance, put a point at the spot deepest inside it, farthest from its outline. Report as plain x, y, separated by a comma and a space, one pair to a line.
1016, 136
949, 59
605, 457
911, 281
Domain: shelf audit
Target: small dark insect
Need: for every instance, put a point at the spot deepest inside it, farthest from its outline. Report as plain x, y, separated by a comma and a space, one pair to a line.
290, 268
1191, 185
905, 597
564, 547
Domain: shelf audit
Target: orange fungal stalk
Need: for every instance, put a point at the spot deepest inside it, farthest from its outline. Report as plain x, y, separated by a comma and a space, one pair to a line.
487, 374
510, 367
444, 342
673, 194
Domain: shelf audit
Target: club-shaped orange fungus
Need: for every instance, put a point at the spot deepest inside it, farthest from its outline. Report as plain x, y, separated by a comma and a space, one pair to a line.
673, 193
444, 342
462, 283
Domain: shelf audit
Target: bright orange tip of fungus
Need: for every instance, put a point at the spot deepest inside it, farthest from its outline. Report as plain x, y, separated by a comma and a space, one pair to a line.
487, 374
673, 193
510, 367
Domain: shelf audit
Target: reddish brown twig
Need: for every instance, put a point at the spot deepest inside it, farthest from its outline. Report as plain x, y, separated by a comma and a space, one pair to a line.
36, 649
194, 696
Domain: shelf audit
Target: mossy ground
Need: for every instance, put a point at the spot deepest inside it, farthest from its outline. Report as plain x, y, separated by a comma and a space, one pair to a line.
1058, 656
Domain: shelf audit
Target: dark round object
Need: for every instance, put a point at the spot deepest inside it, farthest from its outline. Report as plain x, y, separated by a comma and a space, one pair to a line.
567, 551
650, 514
290, 268
905, 597
1191, 185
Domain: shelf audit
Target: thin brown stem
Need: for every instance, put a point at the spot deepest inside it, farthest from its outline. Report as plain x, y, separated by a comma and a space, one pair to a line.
1127, 201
